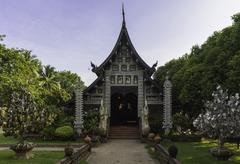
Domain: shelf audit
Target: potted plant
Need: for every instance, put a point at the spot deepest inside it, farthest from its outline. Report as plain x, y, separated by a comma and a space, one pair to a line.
23, 149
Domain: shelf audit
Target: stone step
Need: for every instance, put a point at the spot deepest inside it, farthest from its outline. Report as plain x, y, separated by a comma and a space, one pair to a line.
123, 137
124, 132
123, 128
136, 131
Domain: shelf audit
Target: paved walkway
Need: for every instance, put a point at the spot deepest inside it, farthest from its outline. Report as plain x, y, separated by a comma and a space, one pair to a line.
121, 152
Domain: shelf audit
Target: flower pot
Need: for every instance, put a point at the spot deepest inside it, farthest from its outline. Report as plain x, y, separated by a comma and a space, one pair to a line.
87, 139
157, 139
221, 153
145, 132
151, 136
22, 152
23, 149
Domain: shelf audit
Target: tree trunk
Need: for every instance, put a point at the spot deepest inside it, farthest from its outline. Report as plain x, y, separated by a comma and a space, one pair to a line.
221, 142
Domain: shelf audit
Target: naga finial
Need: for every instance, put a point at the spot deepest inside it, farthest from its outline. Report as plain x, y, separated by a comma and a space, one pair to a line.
154, 65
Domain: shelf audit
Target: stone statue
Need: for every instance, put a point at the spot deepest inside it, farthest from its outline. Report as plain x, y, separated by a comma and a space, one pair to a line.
145, 123
103, 117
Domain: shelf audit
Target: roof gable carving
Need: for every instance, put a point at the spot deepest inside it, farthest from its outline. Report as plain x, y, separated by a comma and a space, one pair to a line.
122, 41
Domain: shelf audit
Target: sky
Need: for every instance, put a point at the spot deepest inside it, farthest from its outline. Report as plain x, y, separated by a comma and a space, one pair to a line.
68, 34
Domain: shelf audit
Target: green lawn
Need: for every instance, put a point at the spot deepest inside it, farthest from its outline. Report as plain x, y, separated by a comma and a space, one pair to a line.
7, 140
11, 140
197, 152
40, 157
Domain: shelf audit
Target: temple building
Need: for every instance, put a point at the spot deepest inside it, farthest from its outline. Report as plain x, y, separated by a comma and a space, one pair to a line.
124, 88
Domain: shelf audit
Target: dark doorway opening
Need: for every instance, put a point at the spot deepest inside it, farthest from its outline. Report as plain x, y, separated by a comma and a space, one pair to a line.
124, 106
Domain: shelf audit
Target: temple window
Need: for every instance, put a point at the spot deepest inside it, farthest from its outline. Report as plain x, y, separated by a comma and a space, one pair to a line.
124, 67
128, 79
112, 79
133, 67
115, 68
135, 79
119, 79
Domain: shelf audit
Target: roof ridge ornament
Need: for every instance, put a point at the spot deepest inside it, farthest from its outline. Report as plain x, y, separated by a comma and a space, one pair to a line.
123, 15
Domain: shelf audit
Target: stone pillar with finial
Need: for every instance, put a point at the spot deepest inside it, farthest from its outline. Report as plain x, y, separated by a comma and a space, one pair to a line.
167, 102
78, 123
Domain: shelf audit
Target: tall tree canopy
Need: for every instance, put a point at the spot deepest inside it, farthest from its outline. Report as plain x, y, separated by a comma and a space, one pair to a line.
196, 75
48, 89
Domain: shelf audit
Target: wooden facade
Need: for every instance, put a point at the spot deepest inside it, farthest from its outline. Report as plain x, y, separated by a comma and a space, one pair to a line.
123, 82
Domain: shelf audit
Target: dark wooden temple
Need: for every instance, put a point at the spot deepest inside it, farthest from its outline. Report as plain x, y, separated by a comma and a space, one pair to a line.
123, 84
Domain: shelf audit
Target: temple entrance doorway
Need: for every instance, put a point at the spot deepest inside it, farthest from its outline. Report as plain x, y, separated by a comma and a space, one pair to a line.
124, 106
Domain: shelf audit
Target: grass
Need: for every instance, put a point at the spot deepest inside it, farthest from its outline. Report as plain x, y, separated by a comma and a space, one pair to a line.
83, 162
7, 140
12, 140
198, 152
40, 157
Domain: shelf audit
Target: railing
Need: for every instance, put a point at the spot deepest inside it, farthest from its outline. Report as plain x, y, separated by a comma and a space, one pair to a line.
163, 155
77, 155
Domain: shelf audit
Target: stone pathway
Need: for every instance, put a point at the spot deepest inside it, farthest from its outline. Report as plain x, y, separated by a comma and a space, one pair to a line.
121, 152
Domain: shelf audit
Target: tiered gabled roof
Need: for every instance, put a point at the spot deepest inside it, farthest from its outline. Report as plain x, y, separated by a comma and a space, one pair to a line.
123, 37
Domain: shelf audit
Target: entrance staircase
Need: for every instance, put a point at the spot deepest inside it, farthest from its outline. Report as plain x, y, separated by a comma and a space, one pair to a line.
123, 132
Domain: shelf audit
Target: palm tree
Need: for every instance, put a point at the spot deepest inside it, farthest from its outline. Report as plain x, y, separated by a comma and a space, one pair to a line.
48, 79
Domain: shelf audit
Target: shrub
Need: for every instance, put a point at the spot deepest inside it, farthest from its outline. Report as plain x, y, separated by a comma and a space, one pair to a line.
181, 122
100, 132
64, 132
65, 120
91, 122
48, 132
156, 125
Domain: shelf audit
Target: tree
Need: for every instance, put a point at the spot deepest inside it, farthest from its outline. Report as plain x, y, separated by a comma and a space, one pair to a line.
236, 17
25, 115
53, 91
21, 74
221, 116
195, 75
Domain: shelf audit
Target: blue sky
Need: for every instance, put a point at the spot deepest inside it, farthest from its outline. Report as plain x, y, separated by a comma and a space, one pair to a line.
68, 34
